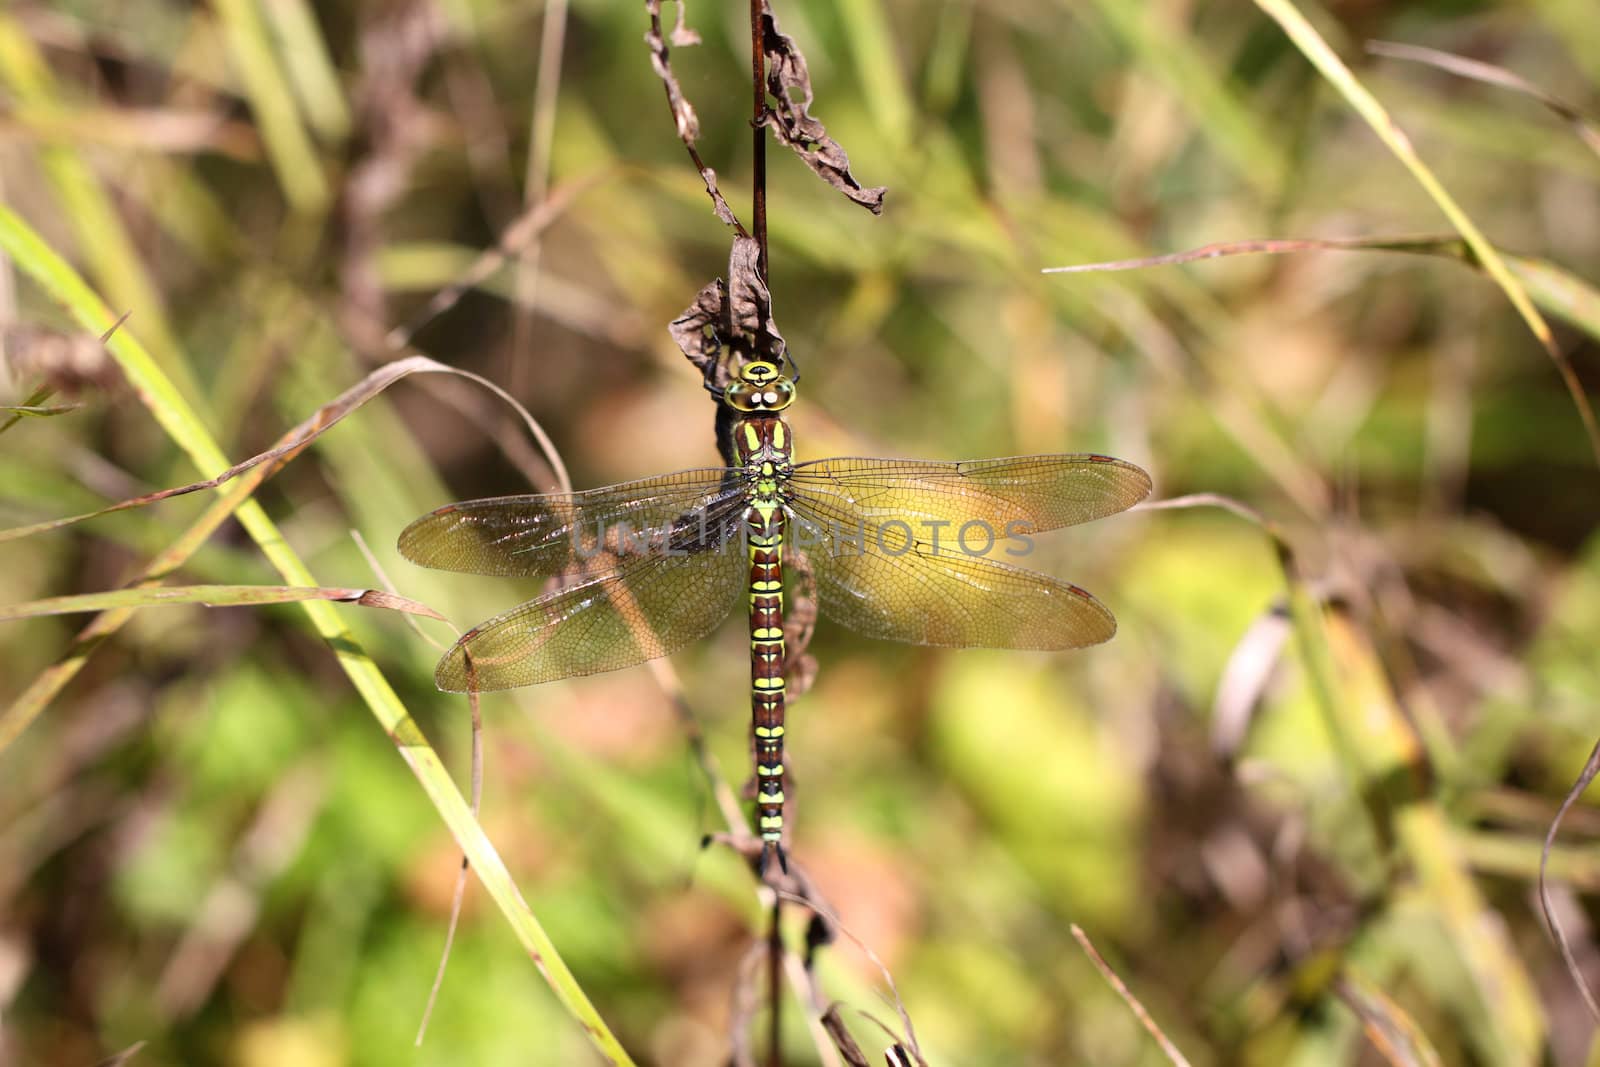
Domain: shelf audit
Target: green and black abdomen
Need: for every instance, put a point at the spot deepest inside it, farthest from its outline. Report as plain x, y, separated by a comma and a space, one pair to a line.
763, 450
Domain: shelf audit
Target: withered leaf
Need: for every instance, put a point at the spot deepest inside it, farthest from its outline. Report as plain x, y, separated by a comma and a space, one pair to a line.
750, 303
730, 323
791, 121
700, 329
683, 113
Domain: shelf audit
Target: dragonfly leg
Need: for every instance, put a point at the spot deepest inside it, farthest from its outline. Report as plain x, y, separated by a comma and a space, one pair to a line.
770, 849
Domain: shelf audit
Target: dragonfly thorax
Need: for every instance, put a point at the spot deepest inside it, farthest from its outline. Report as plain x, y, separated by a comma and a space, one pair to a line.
763, 446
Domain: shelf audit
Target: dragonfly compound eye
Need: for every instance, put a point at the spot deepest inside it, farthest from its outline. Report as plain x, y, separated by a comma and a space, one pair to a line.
742, 396
779, 394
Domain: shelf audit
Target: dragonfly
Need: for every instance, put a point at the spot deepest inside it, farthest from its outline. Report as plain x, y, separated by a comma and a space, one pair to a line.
895, 549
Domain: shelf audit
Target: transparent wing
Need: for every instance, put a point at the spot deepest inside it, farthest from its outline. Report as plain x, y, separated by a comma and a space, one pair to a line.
1039, 492
877, 577
642, 608
537, 536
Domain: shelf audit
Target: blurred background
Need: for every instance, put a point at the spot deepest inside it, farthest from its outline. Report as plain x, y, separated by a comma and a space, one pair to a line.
208, 845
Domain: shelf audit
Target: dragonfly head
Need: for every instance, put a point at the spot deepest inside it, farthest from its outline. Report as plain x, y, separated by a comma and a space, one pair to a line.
760, 388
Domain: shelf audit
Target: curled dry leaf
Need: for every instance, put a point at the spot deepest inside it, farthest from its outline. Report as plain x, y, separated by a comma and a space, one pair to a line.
730, 319
700, 329
683, 113
792, 123
750, 304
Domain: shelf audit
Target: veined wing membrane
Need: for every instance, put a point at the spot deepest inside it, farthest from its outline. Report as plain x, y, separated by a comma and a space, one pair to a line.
644, 607
899, 588
537, 536
1039, 492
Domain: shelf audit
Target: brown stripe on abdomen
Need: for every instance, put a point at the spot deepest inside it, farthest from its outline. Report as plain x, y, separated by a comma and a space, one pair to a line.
766, 668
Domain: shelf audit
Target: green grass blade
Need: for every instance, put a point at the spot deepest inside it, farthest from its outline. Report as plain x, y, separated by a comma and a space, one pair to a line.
180, 421
883, 82
294, 160
310, 68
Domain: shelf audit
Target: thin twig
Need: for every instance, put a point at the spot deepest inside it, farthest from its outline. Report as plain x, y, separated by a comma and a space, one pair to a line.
775, 983
459, 896
1121, 989
758, 211
758, 146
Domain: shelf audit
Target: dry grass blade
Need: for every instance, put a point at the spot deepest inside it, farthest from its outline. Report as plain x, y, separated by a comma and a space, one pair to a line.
742, 1008
1122, 990
841, 1038
389, 587
1206, 500
1396, 1036
536, 187
212, 596
1591, 768
1263, 246
523, 231
171, 130
324, 419
1489, 74
1245, 679
1556, 290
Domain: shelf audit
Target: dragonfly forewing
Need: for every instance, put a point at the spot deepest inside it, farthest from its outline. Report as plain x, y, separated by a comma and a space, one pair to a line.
1025, 493
540, 536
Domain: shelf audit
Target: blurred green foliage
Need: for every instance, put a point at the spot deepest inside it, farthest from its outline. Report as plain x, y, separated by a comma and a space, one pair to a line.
207, 846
